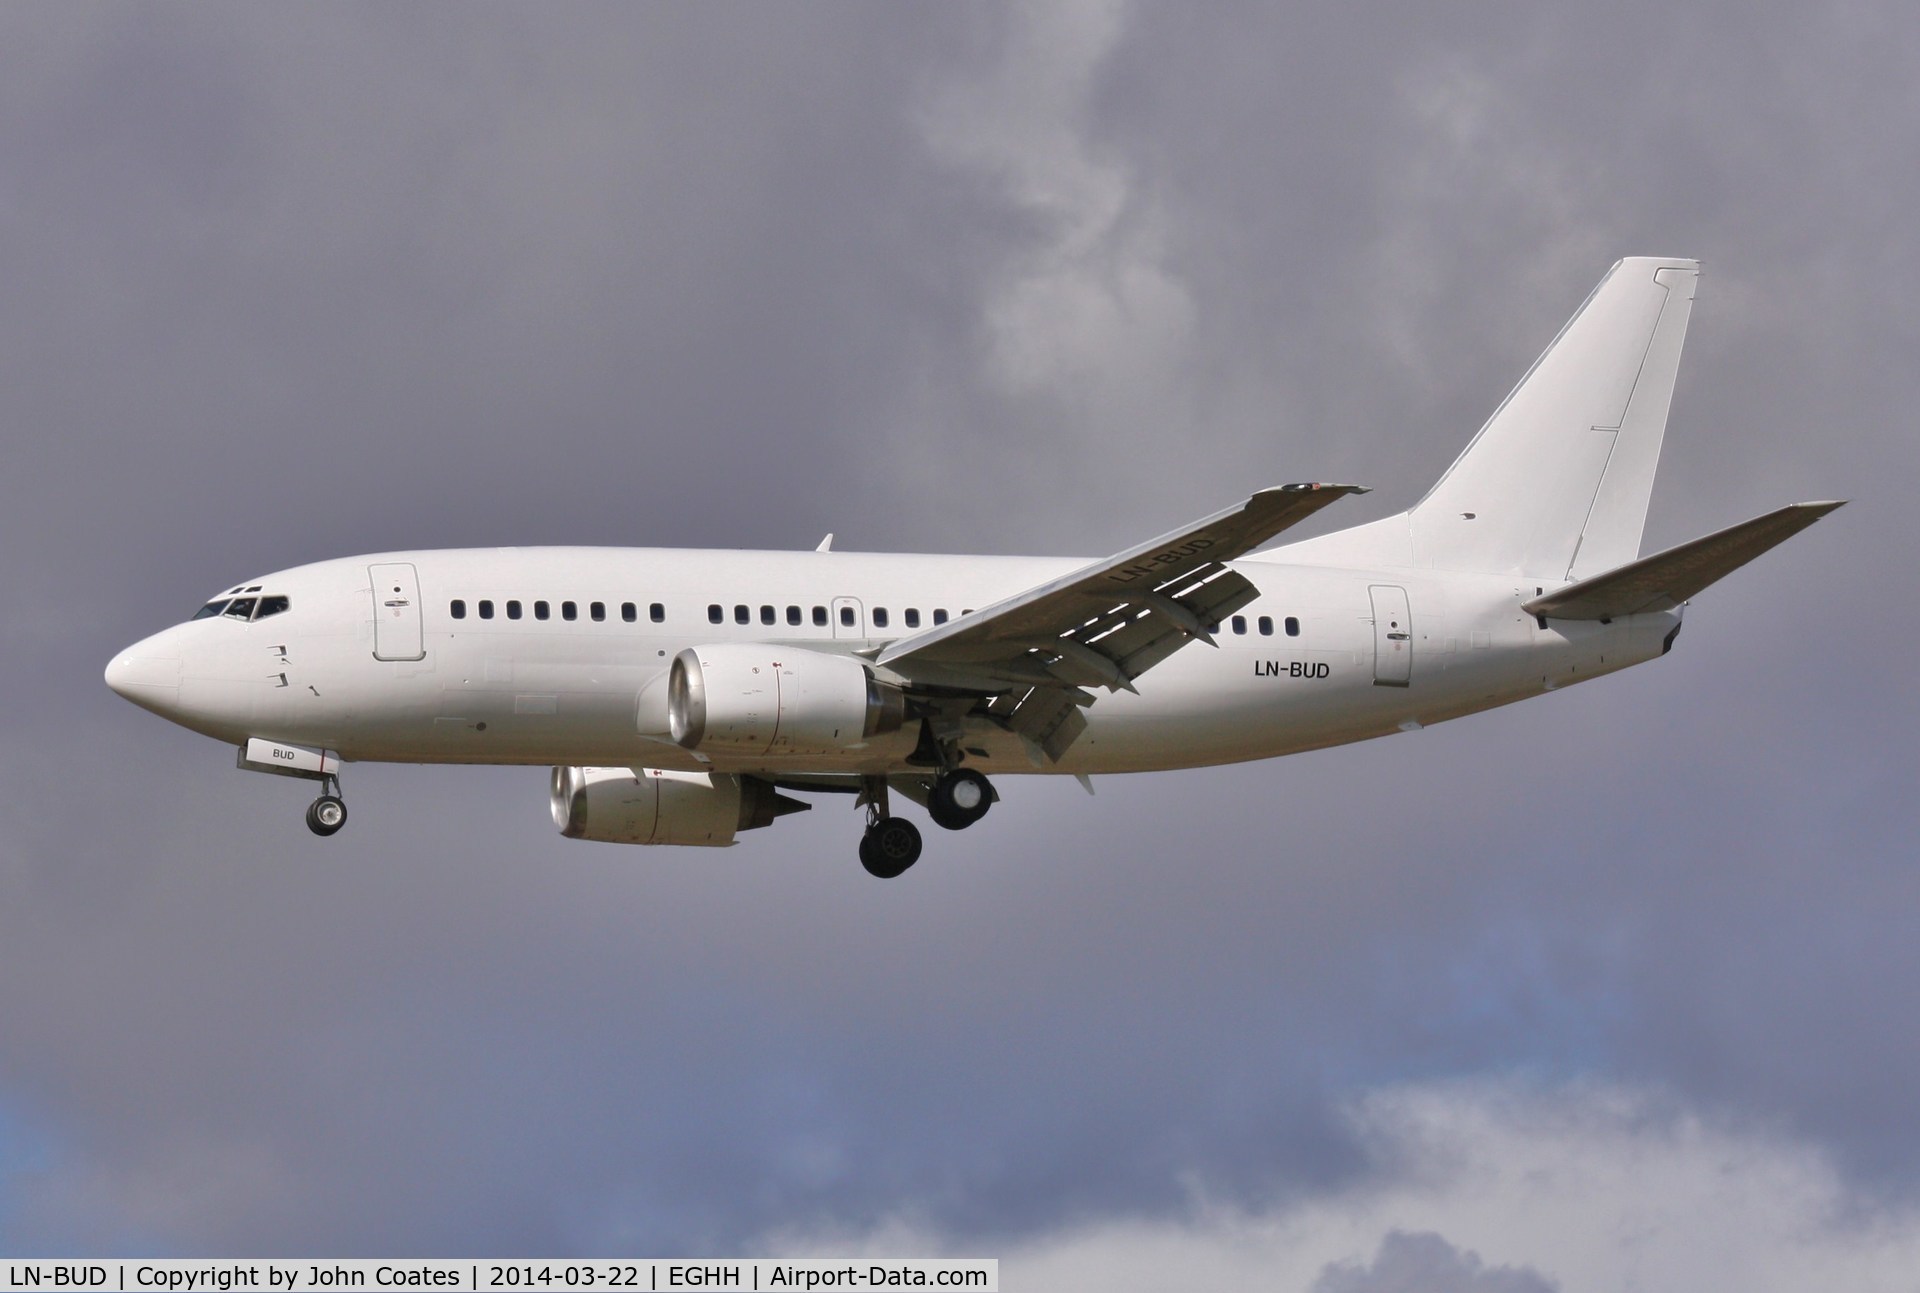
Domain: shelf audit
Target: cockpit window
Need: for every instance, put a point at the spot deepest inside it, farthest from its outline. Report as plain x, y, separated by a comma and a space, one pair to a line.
245, 608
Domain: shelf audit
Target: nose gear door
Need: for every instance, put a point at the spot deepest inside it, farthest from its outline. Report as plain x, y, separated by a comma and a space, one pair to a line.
396, 612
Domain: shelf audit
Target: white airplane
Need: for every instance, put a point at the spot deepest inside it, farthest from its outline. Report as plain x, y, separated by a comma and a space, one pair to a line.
685, 696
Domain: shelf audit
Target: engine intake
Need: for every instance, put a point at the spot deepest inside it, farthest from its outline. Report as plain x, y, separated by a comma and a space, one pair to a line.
649, 806
756, 698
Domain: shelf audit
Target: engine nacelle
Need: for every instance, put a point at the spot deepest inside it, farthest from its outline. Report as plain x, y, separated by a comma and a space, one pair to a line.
758, 698
620, 806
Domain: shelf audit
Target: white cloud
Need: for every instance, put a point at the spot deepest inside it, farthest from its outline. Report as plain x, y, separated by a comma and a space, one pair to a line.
1090, 298
1081, 324
1498, 1185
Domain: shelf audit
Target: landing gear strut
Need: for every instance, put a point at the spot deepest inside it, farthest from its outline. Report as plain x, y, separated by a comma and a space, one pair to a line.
891, 844
959, 798
328, 813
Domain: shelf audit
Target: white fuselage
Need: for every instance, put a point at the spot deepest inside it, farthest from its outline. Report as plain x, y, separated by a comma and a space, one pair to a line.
588, 689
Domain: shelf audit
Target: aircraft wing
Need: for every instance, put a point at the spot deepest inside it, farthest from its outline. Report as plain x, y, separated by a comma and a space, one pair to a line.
1669, 578
1102, 625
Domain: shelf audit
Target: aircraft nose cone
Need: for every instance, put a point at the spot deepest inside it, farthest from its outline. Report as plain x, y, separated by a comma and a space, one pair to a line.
148, 674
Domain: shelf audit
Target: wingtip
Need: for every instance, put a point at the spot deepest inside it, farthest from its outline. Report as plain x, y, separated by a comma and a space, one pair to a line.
1817, 508
1314, 486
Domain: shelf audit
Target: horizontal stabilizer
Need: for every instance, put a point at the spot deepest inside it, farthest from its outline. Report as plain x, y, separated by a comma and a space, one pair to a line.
1669, 578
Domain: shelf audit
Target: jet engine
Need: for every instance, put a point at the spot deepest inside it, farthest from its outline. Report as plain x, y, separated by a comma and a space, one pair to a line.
760, 698
648, 806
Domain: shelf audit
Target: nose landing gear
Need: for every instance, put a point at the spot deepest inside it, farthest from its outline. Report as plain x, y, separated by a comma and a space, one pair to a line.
328, 813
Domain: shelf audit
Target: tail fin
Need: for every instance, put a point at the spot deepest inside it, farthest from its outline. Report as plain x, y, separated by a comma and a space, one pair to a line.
1556, 484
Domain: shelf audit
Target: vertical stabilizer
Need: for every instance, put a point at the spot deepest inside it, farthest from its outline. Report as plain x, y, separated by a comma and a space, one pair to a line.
1555, 485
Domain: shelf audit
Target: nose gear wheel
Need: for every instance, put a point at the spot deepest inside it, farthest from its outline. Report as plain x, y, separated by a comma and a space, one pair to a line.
328, 813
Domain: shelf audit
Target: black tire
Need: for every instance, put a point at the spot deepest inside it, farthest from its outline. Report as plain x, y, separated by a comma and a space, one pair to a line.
326, 815
959, 799
890, 847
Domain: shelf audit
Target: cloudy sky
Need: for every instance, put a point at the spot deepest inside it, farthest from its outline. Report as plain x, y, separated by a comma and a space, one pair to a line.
1616, 988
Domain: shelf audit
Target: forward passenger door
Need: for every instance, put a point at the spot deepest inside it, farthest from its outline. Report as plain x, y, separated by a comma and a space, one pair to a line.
397, 634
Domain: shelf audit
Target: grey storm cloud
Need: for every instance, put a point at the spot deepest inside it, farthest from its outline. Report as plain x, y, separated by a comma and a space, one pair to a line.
1427, 1263
283, 285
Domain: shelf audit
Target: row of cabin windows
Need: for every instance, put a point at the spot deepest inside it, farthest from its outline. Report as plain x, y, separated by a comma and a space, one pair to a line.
716, 614
657, 612
1291, 624
596, 611
849, 618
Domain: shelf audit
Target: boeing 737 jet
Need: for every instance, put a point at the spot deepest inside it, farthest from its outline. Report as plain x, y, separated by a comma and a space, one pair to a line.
682, 697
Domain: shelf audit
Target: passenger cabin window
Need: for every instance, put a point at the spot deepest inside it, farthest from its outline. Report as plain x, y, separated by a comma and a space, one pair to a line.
657, 613
486, 609
846, 616
879, 617
743, 615
542, 611
1266, 626
629, 612
1293, 627
569, 611
458, 609
793, 615
714, 614
513, 610
820, 617
1239, 624
598, 610
913, 618
212, 609
766, 615
939, 617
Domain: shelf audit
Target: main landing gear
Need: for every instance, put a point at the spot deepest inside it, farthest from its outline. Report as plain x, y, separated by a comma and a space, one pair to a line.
890, 846
958, 799
328, 813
